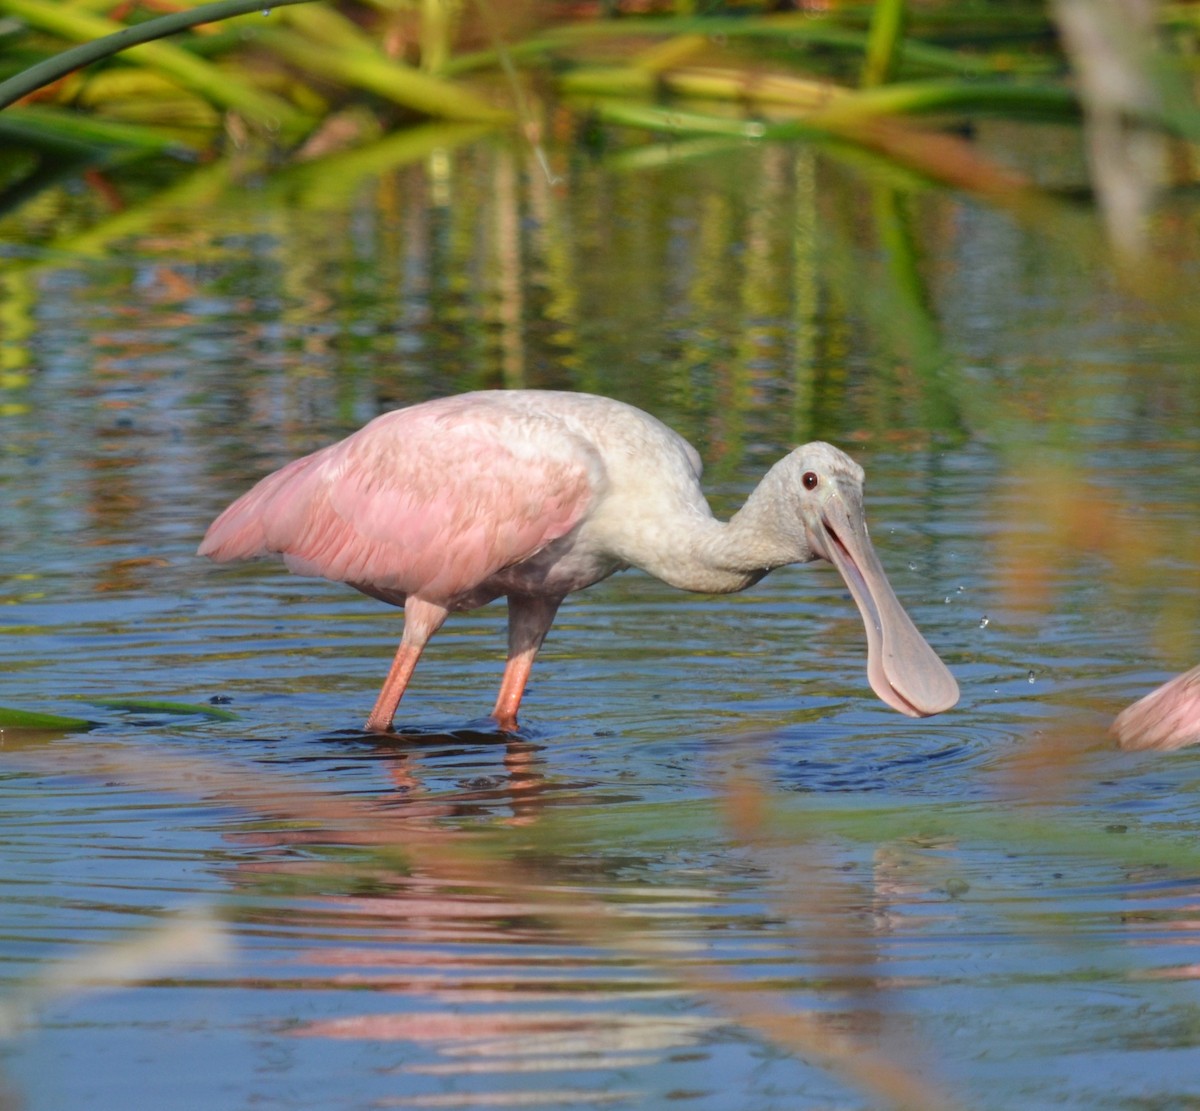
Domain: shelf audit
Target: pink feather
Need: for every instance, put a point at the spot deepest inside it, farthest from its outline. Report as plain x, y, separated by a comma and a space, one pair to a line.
430, 500
1167, 718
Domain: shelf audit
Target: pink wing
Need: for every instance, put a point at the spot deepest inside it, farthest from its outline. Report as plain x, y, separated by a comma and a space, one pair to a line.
1167, 718
430, 500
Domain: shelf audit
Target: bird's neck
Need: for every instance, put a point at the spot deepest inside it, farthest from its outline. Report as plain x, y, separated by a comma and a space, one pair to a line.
721, 557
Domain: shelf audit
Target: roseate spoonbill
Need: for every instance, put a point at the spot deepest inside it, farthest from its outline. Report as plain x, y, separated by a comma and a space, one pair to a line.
534, 494
1166, 719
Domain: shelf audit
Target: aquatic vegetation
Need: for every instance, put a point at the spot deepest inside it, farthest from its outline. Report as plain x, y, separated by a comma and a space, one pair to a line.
305, 79
23, 722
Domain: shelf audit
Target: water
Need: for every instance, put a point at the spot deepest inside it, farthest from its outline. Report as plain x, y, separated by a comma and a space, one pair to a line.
714, 871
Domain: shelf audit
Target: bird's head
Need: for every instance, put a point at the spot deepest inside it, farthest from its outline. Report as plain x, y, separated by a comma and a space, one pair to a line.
827, 486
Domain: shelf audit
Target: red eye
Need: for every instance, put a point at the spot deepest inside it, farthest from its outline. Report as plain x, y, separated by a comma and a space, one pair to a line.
810, 480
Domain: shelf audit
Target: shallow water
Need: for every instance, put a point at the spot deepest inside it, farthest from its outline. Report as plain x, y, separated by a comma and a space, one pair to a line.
713, 871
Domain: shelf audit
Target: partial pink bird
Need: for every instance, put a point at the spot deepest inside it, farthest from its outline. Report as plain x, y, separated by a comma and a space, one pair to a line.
1166, 719
534, 494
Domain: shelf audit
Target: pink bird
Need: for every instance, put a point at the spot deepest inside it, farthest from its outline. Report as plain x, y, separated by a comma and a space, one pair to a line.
1167, 718
532, 494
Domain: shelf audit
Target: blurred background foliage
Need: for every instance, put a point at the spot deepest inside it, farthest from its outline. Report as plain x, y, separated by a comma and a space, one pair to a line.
902, 83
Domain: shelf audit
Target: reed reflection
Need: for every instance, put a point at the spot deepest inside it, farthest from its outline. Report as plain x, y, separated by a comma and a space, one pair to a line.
493, 928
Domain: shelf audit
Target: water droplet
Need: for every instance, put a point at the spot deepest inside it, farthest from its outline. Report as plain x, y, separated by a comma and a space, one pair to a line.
983, 621
1032, 676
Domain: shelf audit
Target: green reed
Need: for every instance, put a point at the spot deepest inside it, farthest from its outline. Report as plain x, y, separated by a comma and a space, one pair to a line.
283, 75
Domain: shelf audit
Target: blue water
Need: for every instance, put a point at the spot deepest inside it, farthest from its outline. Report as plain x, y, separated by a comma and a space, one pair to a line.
712, 848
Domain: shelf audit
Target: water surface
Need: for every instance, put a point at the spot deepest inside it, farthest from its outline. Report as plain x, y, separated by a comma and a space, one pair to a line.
713, 870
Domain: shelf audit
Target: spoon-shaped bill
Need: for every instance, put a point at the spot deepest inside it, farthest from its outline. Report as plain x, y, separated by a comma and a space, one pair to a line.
901, 667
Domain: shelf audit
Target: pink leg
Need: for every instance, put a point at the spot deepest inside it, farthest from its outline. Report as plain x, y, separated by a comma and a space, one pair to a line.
529, 620
421, 620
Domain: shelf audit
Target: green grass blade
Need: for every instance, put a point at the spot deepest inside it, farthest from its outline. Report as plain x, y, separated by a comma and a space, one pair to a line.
834, 106
796, 31
997, 98
73, 133
653, 118
401, 84
629, 81
885, 42
156, 706
28, 720
108, 38
328, 27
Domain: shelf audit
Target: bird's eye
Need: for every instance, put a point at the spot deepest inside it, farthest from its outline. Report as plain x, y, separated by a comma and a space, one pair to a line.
810, 480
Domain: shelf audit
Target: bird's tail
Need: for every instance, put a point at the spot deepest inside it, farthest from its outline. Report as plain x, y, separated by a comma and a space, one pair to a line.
244, 530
